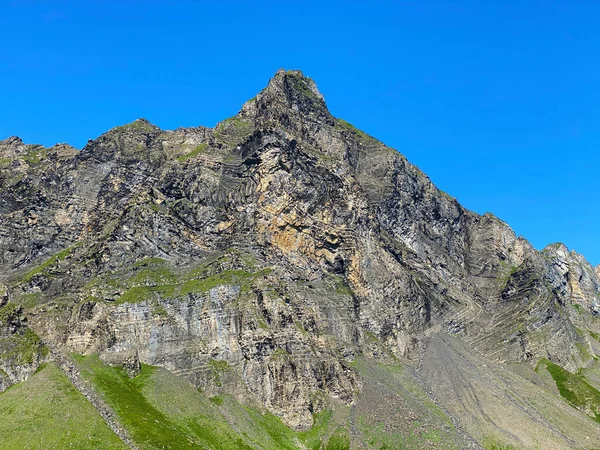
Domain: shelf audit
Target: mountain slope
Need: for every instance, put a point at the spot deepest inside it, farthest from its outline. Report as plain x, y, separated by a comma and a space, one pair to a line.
278, 258
46, 411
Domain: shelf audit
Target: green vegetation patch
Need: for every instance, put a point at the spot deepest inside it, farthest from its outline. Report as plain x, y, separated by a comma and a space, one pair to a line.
23, 347
159, 310
48, 412
313, 438
137, 125
154, 279
363, 137
506, 272
577, 307
217, 400
583, 351
29, 300
9, 312
5, 162
574, 388
161, 410
338, 441
35, 155
148, 426
227, 277
142, 293
219, 368
195, 286
197, 151
234, 129
299, 84
491, 443
269, 431
48, 264
341, 287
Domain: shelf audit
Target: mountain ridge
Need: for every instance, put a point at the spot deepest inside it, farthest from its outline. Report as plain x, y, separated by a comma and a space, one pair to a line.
12, 140
281, 257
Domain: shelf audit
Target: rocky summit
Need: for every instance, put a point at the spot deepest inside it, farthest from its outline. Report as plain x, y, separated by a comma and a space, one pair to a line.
280, 281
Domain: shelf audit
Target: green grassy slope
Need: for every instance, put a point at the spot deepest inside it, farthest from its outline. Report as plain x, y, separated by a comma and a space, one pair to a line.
574, 388
48, 412
161, 410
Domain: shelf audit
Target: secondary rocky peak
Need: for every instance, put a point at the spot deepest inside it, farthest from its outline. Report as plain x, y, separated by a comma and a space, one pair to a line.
12, 140
142, 122
63, 149
140, 125
135, 141
11, 147
556, 248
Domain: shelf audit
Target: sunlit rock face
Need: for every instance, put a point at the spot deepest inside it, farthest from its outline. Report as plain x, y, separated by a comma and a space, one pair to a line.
261, 257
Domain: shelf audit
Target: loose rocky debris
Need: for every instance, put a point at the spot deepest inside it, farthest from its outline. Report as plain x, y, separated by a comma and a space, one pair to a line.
454, 327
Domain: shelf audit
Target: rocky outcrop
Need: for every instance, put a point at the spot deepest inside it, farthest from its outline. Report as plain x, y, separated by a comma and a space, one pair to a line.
579, 279
70, 370
260, 257
21, 351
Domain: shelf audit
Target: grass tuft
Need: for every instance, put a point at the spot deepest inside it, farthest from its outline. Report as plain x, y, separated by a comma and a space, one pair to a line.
46, 265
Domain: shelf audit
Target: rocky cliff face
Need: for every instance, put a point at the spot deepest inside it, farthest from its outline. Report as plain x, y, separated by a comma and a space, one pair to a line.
262, 257
21, 350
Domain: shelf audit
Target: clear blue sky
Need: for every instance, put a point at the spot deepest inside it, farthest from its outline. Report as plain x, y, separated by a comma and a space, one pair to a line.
498, 103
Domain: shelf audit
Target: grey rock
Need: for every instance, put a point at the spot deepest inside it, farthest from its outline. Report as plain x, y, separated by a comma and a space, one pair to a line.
259, 257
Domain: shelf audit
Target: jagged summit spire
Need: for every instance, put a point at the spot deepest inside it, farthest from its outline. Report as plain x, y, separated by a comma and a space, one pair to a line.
294, 80
288, 92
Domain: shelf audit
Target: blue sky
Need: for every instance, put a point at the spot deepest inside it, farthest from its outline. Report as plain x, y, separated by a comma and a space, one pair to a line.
498, 103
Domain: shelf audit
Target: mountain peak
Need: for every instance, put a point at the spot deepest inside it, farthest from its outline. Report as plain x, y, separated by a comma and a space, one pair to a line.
288, 90
285, 242
140, 124
12, 140
294, 82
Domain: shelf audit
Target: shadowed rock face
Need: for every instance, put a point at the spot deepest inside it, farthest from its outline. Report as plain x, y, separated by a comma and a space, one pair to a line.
259, 258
